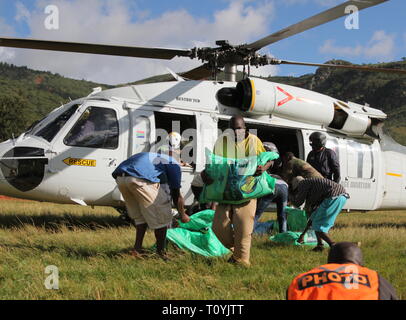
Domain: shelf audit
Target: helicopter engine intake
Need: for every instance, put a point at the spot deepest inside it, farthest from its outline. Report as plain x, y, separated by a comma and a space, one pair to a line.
261, 97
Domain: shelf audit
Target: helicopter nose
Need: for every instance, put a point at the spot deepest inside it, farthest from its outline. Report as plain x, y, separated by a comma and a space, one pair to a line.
22, 168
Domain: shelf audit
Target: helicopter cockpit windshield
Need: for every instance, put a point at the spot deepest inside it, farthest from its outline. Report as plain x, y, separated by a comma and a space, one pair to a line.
49, 130
96, 128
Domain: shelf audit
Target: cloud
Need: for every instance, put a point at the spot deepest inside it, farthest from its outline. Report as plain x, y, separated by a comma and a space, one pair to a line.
22, 13
330, 47
323, 3
6, 29
265, 71
6, 54
404, 38
381, 45
112, 22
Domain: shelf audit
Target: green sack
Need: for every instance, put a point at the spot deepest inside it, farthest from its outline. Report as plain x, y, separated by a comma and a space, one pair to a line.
297, 220
233, 178
197, 235
291, 238
199, 221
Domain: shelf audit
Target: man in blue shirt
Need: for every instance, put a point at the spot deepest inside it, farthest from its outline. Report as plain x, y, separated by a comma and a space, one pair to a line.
147, 181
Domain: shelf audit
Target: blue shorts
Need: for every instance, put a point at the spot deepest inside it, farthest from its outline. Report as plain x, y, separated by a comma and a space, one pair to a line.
325, 215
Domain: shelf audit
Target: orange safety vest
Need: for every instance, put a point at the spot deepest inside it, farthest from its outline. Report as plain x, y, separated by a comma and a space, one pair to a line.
335, 282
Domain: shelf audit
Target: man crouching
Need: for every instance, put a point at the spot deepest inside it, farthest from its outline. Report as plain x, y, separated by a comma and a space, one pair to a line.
147, 181
324, 201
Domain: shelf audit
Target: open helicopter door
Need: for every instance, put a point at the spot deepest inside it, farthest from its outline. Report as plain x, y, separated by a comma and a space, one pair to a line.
167, 121
88, 149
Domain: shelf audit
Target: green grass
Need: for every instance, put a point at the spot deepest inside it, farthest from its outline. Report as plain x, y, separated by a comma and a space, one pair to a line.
89, 246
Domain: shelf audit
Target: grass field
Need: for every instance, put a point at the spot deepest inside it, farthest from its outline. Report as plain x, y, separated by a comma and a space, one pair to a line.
89, 247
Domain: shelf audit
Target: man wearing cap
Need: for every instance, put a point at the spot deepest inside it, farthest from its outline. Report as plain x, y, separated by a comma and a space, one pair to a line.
324, 200
147, 181
173, 148
343, 278
323, 159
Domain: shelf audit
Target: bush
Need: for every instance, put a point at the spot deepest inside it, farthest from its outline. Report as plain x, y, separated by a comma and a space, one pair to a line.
15, 116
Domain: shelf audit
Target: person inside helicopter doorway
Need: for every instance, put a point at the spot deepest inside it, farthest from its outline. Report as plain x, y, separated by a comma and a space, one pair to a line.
323, 159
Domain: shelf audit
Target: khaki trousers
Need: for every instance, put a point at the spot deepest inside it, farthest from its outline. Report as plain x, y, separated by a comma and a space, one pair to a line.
146, 202
233, 225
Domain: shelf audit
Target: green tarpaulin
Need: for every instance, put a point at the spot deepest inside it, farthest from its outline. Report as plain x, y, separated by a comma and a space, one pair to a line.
297, 221
291, 237
197, 235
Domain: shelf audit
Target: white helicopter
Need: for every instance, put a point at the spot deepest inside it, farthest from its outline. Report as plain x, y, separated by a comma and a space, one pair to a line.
68, 156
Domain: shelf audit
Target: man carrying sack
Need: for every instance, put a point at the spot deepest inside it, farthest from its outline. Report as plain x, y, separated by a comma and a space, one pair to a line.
233, 223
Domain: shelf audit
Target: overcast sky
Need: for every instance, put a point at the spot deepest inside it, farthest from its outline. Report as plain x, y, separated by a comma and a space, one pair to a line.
185, 24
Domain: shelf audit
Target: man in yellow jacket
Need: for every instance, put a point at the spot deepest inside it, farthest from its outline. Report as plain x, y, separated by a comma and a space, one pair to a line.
232, 223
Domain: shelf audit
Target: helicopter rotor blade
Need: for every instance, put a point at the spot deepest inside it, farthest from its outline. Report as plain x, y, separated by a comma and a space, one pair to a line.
202, 72
113, 50
314, 21
342, 66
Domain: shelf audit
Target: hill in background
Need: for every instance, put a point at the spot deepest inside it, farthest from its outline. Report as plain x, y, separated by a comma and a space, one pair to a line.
29, 95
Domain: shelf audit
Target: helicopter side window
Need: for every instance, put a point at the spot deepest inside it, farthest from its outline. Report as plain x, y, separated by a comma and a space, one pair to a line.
51, 129
360, 160
96, 128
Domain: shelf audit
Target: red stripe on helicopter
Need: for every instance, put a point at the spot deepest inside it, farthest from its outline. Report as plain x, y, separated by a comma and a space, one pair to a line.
290, 97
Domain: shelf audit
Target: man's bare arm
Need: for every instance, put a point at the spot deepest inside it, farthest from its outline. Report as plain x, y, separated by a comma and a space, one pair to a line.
180, 204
